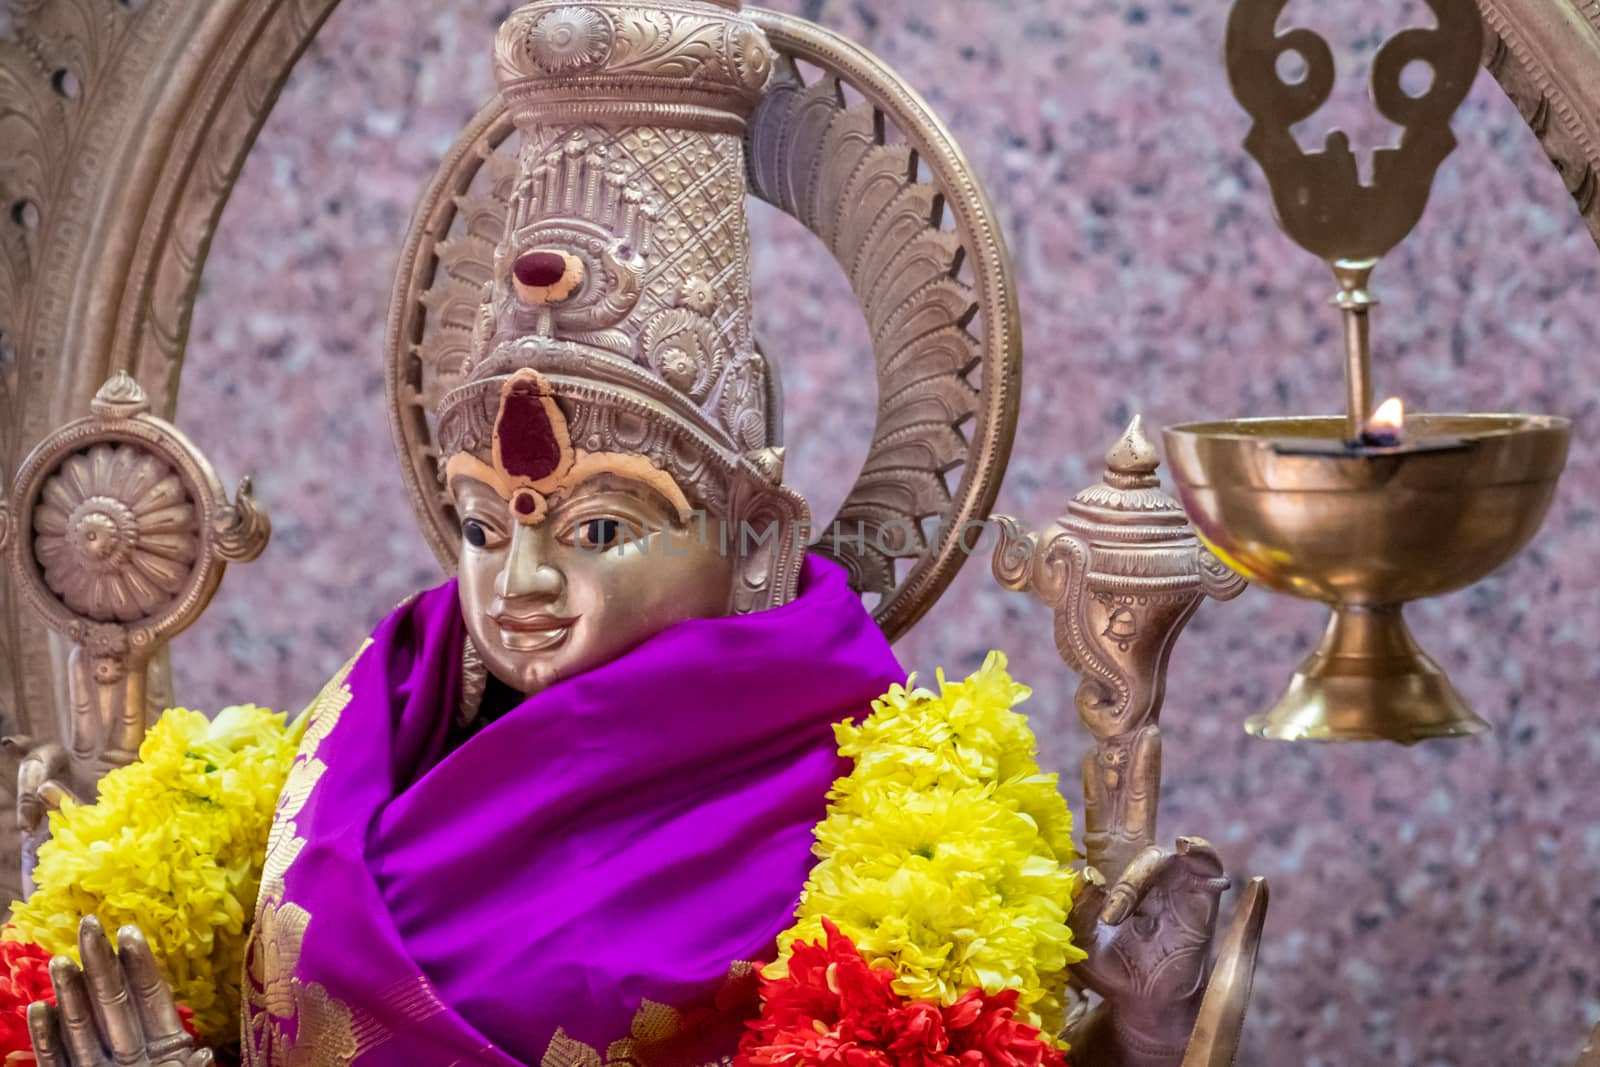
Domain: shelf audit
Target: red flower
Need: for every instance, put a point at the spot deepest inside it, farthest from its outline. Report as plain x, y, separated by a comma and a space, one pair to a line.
830, 1009
984, 1030
918, 1037
24, 978
834, 1009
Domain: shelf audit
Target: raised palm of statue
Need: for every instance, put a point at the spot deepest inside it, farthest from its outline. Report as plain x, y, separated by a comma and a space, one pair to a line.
1148, 940
115, 1009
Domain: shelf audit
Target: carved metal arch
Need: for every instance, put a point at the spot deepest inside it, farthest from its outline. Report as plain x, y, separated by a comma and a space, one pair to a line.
1546, 56
832, 167
112, 182
123, 126
948, 352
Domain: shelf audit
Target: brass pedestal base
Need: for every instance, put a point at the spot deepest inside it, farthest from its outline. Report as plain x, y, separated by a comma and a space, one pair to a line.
1368, 681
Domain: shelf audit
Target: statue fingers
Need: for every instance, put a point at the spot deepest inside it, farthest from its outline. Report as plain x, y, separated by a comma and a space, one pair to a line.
201, 1058
114, 1013
53, 792
79, 1036
1200, 859
158, 1012
1086, 906
1096, 803
1144, 871
43, 1032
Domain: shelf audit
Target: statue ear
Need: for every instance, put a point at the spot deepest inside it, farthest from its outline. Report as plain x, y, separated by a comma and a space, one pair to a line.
770, 526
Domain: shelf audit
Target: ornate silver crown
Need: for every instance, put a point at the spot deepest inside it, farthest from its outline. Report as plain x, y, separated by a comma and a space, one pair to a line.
624, 263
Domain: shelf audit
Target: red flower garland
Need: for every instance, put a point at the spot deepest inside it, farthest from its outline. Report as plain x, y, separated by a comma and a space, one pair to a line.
834, 1009
25, 978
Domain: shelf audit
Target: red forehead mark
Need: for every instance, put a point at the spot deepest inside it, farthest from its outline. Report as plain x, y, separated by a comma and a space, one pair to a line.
529, 447
525, 502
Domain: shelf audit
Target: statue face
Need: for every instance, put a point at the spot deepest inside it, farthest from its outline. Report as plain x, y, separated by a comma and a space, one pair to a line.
607, 567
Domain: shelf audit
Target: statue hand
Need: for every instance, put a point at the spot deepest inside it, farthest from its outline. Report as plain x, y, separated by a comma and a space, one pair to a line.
43, 774
1148, 941
115, 1010
1147, 936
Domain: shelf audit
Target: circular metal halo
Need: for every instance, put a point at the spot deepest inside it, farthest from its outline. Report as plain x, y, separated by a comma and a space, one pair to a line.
986, 430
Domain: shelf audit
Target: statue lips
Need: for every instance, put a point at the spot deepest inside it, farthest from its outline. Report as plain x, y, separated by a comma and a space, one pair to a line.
533, 633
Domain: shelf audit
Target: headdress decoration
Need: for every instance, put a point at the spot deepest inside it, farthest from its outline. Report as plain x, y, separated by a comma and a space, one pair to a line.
534, 457
620, 279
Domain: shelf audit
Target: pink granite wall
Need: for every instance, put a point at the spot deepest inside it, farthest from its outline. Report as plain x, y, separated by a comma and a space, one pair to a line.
1431, 907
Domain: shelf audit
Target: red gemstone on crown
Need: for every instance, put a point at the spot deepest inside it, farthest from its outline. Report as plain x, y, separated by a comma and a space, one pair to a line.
540, 270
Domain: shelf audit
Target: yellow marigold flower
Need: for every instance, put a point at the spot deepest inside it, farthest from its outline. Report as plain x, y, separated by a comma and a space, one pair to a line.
946, 850
174, 843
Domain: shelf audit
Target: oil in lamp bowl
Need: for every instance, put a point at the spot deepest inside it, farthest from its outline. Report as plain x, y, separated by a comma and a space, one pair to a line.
1290, 505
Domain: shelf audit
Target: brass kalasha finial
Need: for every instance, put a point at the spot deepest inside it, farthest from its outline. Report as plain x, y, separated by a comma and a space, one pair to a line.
1133, 458
119, 398
1319, 198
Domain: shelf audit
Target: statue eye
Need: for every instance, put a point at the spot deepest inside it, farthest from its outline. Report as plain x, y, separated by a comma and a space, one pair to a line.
597, 535
474, 532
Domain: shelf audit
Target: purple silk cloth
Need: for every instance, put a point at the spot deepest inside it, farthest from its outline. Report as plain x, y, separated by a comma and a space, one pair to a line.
624, 836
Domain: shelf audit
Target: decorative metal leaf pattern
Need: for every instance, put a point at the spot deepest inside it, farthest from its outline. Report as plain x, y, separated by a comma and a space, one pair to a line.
947, 353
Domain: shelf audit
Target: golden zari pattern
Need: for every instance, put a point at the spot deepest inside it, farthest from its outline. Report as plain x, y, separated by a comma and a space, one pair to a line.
277, 1003
661, 1035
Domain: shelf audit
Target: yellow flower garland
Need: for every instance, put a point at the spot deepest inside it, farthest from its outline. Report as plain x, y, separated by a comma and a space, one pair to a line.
200, 799
946, 850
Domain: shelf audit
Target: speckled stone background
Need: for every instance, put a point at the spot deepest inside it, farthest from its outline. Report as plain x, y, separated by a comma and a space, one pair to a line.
1431, 907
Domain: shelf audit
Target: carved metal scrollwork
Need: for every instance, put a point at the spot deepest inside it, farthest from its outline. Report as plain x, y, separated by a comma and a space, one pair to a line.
1123, 572
948, 351
121, 534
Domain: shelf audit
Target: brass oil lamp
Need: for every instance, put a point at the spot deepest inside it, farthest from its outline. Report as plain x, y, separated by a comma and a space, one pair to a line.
1370, 511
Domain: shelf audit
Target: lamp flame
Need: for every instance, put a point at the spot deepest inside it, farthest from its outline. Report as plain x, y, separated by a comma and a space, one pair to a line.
1386, 426
1389, 419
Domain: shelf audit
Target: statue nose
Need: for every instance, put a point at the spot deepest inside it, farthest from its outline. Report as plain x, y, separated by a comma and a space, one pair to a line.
529, 570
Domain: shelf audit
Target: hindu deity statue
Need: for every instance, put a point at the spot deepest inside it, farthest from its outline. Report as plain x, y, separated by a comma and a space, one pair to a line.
553, 810
581, 778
